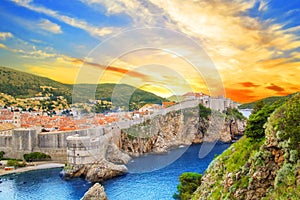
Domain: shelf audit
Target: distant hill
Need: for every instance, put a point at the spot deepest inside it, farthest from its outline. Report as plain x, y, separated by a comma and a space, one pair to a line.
175, 98
118, 94
22, 85
268, 100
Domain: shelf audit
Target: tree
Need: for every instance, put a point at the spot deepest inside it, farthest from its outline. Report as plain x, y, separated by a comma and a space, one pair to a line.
255, 125
189, 182
258, 106
204, 112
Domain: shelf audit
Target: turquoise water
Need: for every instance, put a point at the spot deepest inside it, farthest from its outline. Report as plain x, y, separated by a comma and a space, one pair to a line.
143, 182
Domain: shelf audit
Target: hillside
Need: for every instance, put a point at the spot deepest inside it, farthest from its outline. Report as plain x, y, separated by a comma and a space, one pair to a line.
23, 85
266, 167
119, 94
175, 98
268, 100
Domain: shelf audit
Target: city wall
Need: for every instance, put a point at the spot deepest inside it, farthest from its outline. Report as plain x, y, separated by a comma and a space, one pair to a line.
22, 141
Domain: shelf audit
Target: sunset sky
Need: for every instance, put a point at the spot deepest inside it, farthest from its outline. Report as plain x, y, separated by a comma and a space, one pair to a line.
245, 50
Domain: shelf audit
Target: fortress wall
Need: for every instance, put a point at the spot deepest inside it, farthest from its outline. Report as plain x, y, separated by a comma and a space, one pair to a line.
55, 144
23, 141
6, 144
83, 149
217, 104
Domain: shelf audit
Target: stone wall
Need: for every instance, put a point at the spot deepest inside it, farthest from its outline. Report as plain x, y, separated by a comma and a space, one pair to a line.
91, 146
22, 141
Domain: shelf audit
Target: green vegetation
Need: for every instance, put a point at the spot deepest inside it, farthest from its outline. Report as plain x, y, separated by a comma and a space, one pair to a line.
234, 113
1, 154
15, 163
101, 107
268, 168
204, 112
24, 85
268, 100
255, 125
287, 124
285, 186
189, 181
36, 156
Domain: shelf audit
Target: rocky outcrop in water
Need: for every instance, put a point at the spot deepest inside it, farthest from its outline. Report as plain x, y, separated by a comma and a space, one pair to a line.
97, 172
96, 192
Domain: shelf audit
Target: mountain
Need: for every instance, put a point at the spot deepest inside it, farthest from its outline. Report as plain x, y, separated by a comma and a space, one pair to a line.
22, 85
268, 100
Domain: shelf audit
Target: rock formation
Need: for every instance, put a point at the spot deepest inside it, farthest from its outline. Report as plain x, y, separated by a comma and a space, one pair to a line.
96, 192
178, 128
97, 172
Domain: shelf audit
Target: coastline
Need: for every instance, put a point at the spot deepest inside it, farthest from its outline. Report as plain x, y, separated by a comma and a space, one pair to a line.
37, 166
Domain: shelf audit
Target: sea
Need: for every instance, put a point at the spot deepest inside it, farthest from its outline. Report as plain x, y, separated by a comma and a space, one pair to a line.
150, 177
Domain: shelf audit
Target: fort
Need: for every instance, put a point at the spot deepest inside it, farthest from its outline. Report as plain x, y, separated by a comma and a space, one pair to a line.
85, 145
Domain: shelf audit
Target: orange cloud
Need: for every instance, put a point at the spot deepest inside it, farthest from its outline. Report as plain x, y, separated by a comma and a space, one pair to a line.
275, 88
249, 84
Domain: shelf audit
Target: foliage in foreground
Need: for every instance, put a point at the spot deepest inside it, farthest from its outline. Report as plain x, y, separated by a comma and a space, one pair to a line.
189, 181
259, 169
255, 125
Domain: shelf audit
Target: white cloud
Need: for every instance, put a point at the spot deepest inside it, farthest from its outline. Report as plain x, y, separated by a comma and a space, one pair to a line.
5, 35
263, 5
49, 26
142, 12
93, 30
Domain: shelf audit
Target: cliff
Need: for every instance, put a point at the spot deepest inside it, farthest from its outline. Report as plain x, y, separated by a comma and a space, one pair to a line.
268, 168
177, 128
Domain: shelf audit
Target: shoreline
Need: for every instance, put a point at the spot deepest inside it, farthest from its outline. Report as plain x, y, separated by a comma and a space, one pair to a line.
37, 166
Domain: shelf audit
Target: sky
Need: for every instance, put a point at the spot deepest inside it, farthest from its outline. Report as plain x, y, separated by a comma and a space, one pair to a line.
244, 50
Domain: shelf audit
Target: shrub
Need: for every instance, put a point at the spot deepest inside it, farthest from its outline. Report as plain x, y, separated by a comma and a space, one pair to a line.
204, 112
255, 125
1, 154
235, 113
36, 156
189, 182
287, 124
15, 163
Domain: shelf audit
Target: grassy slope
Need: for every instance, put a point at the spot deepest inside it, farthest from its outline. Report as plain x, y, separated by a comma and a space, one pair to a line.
240, 162
232, 160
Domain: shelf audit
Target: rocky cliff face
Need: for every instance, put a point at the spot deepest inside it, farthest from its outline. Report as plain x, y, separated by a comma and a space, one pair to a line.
252, 170
178, 128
